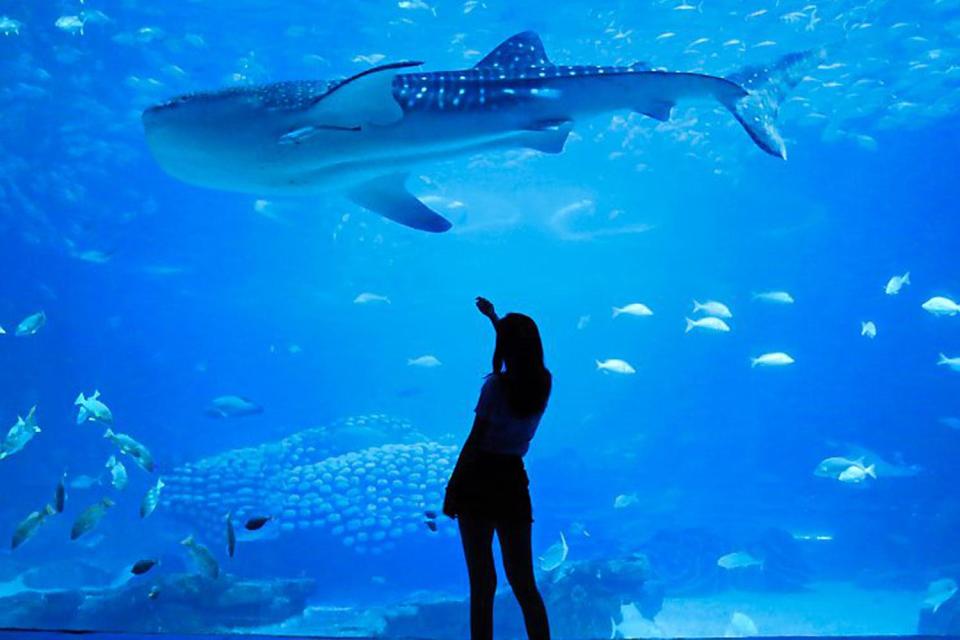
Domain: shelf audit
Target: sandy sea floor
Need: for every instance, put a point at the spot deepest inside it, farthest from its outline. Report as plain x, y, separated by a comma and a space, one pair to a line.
827, 608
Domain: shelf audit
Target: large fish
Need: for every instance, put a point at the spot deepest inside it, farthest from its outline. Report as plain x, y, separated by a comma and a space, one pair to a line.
362, 135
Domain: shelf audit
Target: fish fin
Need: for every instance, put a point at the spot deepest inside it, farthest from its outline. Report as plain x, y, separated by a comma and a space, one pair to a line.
754, 362
616, 312
524, 49
763, 88
657, 109
871, 471
387, 196
364, 98
690, 325
943, 359
549, 138
80, 400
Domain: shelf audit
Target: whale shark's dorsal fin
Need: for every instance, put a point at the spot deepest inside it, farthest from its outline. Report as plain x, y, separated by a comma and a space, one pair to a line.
522, 50
364, 98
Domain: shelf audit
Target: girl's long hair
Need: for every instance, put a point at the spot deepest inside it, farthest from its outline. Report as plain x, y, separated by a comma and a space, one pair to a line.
518, 362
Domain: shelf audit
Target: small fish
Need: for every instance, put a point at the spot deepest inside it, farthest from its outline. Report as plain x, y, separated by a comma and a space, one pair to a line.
633, 309
832, 467
555, 555
709, 323
431, 515
857, 474
896, 283
92, 409
118, 473
29, 525
666, 35
615, 365
738, 560
951, 422
868, 329
206, 563
940, 306
154, 592
232, 407
367, 298
776, 297
371, 59
22, 432
624, 500
84, 482
712, 308
426, 362
90, 517
70, 24
30, 325
151, 499
582, 322
775, 359
431, 524
952, 363
60, 494
757, 13
231, 536
255, 523
741, 626
939, 592
140, 567
140, 454
9, 26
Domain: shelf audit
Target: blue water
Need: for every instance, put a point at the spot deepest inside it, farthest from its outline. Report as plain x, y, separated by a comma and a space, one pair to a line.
163, 296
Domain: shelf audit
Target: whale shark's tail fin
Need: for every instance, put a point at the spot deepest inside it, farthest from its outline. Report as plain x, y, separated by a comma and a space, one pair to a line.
765, 88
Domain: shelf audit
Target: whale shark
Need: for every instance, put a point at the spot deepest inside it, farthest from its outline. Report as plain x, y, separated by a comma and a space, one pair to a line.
361, 136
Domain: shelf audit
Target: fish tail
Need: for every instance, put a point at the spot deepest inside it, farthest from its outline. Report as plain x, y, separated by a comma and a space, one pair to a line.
871, 471
754, 362
906, 278
613, 628
943, 359
616, 312
754, 100
690, 325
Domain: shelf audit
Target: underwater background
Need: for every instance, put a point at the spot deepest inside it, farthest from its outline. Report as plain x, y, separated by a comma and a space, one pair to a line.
164, 297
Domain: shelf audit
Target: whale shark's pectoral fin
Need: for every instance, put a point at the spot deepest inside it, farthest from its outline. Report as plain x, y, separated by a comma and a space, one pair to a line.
366, 98
546, 136
657, 109
388, 196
